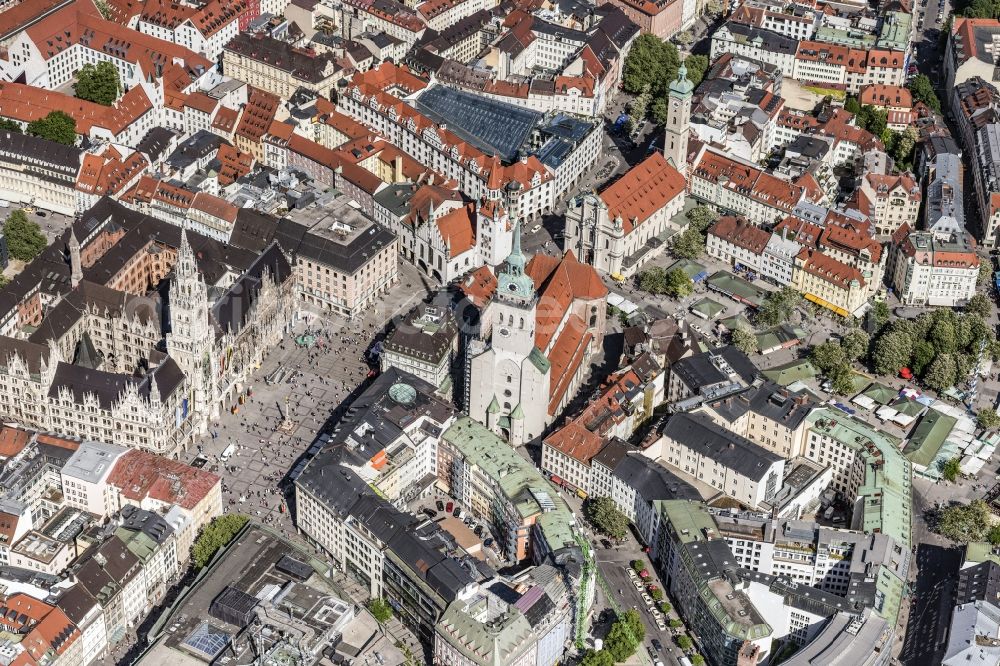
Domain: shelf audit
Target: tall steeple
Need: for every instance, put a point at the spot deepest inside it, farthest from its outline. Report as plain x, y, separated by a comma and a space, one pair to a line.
76, 266
675, 143
512, 281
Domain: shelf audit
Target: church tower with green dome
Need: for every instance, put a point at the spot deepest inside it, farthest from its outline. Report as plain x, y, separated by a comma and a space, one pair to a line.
675, 142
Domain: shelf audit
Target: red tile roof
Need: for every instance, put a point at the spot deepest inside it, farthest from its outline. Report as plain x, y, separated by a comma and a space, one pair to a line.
835, 272
740, 232
479, 285
457, 228
27, 103
257, 114
576, 442
12, 440
139, 475
565, 358
886, 96
559, 282
643, 191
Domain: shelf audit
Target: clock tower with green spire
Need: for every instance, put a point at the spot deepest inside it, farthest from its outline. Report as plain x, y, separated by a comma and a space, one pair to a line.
675, 142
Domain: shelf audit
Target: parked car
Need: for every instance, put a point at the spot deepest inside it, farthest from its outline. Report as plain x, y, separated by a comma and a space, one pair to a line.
450, 506
488, 542
440, 505
456, 512
637, 584
657, 644
431, 513
535, 229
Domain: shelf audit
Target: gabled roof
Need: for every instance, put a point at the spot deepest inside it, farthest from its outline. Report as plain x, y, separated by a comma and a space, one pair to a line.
643, 191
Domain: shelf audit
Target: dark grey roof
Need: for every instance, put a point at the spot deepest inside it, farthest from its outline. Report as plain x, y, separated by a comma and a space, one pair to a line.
804, 597
699, 433
253, 230
201, 144
149, 523
108, 386
349, 257
979, 583
32, 353
495, 127
612, 453
15, 145
767, 39
427, 332
282, 55
155, 143
703, 369
396, 198
770, 400
651, 480
231, 311
77, 603
60, 320
106, 569
618, 27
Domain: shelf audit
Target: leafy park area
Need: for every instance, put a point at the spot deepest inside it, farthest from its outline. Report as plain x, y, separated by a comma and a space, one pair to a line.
217, 534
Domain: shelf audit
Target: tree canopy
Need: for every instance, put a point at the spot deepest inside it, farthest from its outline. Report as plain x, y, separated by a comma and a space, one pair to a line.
380, 610
10, 126
216, 535
745, 341
98, 83
651, 64
56, 126
987, 419
607, 517
597, 658
923, 91
965, 522
951, 469
625, 636
778, 306
24, 237
696, 66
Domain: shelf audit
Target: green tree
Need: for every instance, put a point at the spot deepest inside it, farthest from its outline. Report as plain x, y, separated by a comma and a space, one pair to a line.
24, 237
985, 273
951, 469
942, 372
380, 610
10, 126
852, 105
665, 607
98, 83
689, 245
891, 351
942, 336
842, 381
923, 354
880, 315
988, 419
56, 126
4, 280
993, 535
696, 66
640, 105
745, 341
778, 306
638, 565
697, 660
979, 305
217, 534
678, 284
684, 642
675, 623
923, 91
701, 217
872, 119
625, 636
828, 357
901, 146
653, 280
658, 110
855, 345
683, 38
607, 517
597, 658
965, 522
651, 63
